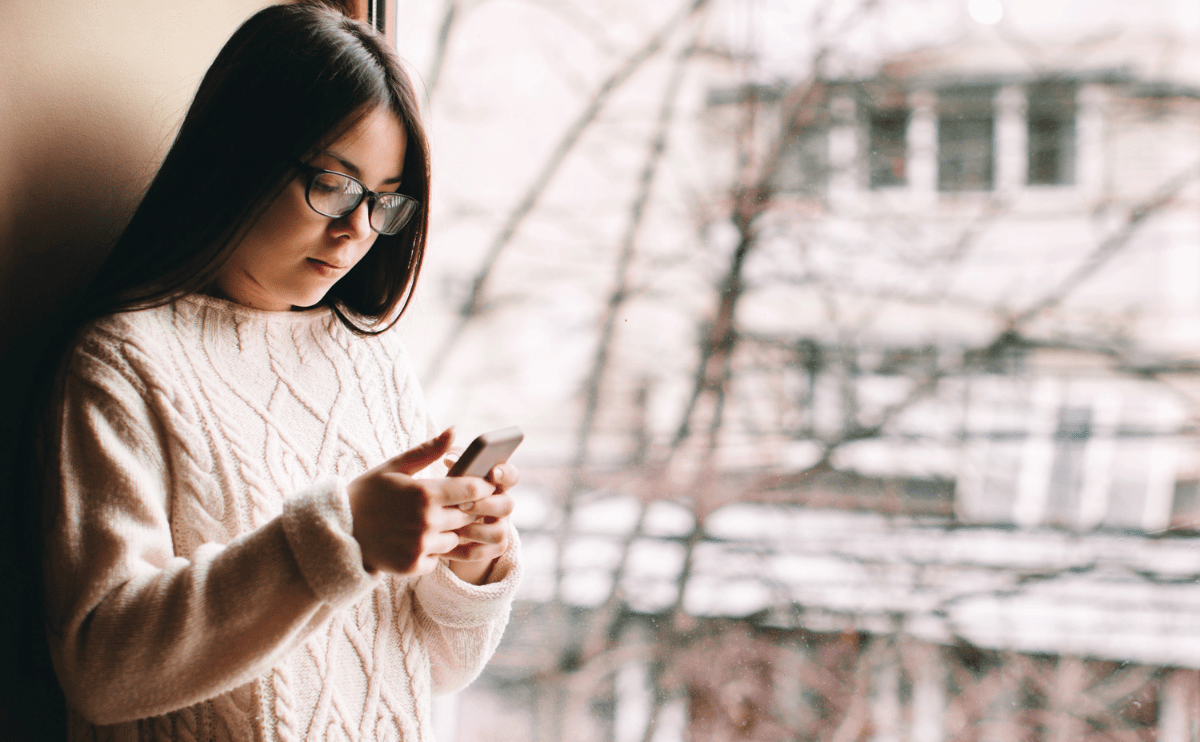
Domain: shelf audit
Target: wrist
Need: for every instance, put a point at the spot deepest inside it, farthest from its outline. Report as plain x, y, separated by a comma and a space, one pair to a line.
474, 572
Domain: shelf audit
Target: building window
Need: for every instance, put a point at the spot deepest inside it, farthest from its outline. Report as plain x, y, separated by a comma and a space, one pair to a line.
1066, 477
1051, 121
1185, 511
966, 138
887, 147
804, 162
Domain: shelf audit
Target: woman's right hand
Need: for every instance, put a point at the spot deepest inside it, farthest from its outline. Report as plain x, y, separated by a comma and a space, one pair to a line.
403, 525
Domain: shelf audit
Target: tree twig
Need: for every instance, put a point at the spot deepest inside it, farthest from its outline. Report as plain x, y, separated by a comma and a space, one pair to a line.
472, 306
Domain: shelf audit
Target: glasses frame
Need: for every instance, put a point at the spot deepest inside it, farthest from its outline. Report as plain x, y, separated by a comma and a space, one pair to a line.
311, 172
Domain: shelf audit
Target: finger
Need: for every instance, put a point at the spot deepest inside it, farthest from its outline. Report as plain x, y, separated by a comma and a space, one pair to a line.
452, 456
449, 519
472, 552
445, 520
499, 505
440, 543
417, 458
426, 565
503, 476
483, 534
458, 491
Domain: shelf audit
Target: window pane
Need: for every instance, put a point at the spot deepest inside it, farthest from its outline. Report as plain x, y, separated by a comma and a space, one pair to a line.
887, 133
804, 166
965, 153
966, 139
1051, 122
872, 467
1067, 474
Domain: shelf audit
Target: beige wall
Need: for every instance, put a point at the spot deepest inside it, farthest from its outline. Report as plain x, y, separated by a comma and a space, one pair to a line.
90, 94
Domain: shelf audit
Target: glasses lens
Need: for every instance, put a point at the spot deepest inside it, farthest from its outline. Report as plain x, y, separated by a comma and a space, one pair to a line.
391, 212
334, 195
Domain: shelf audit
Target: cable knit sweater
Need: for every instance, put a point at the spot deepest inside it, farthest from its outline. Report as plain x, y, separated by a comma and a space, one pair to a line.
203, 583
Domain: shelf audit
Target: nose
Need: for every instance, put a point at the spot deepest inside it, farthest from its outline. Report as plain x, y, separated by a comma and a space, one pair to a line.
356, 224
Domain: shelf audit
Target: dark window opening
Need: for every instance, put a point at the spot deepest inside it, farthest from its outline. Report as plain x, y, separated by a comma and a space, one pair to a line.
1051, 127
966, 138
887, 148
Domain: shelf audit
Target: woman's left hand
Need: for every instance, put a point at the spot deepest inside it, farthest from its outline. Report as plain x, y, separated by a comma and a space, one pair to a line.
485, 540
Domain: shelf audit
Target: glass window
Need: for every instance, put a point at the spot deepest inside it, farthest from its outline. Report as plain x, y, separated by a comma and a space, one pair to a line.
920, 490
887, 147
1185, 511
1067, 475
804, 162
966, 138
1051, 122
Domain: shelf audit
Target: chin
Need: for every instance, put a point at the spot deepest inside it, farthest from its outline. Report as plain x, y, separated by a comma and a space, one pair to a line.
306, 301
309, 296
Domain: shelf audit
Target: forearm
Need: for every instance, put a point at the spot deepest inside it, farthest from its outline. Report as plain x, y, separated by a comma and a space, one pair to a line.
170, 637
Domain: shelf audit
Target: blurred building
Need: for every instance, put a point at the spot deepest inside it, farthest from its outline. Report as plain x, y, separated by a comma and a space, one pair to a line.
956, 494
1023, 241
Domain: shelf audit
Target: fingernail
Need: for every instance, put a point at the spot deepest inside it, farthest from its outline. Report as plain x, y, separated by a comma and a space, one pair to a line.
497, 473
466, 507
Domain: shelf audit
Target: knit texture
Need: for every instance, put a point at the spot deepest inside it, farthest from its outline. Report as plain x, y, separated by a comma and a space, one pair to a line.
203, 583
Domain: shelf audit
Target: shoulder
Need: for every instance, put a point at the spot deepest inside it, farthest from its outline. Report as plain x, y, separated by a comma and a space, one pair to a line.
138, 325
127, 345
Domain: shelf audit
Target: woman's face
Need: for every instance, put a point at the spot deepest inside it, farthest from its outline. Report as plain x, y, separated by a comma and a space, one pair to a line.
292, 255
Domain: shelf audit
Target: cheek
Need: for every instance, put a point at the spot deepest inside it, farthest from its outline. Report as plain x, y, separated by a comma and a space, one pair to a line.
289, 217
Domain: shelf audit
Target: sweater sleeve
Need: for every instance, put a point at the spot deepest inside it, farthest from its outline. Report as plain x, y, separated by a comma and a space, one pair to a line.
461, 624
136, 631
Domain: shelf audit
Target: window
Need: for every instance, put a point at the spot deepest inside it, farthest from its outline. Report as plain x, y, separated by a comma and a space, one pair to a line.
804, 162
966, 138
1185, 511
1051, 122
1066, 476
887, 147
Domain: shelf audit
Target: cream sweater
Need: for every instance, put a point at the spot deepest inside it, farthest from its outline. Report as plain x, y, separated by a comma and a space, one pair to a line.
203, 581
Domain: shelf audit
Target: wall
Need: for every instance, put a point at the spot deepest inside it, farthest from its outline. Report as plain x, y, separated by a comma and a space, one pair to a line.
90, 95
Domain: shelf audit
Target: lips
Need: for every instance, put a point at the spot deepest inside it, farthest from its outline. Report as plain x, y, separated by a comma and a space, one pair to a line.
335, 266
326, 269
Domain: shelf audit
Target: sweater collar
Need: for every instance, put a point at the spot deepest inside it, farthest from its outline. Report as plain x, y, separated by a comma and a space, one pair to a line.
223, 308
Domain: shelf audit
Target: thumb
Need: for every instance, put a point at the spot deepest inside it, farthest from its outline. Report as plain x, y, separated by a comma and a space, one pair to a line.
420, 456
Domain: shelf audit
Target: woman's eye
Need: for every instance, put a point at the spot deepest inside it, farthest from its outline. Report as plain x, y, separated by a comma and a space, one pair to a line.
327, 183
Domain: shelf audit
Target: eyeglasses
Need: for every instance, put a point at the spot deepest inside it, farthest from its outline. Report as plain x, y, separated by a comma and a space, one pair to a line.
337, 194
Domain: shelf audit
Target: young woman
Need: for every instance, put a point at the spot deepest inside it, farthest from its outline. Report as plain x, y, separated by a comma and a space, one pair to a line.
237, 546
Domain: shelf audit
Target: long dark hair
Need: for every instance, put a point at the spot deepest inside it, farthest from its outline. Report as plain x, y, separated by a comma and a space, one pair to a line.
290, 78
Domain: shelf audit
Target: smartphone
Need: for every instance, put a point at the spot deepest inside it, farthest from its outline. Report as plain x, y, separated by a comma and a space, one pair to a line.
486, 451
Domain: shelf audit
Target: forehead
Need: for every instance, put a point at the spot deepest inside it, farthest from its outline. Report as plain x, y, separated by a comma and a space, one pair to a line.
375, 144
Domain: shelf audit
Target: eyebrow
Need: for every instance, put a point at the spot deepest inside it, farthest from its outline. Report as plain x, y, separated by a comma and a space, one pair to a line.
352, 169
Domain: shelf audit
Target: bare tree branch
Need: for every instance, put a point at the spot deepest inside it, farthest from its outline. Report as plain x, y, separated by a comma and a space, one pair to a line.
623, 277
1110, 246
473, 304
449, 15
749, 200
